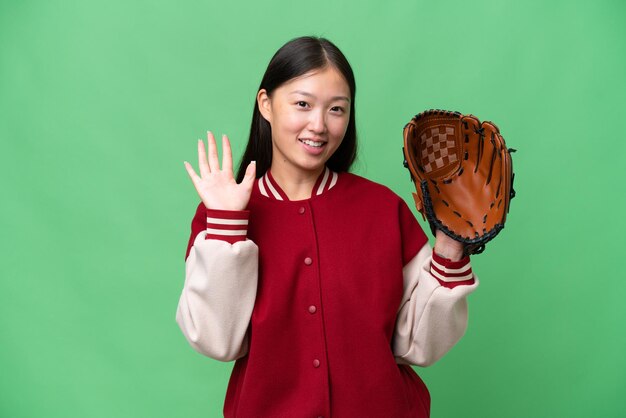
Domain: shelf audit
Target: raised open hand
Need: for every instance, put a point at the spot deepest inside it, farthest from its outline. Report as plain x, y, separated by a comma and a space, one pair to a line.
217, 187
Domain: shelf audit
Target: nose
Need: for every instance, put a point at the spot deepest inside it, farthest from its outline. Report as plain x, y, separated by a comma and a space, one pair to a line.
317, 122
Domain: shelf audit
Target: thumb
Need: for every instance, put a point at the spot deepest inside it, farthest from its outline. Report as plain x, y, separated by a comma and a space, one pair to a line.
250, 173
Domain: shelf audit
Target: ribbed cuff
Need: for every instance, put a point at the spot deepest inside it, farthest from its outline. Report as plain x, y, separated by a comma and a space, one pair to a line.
227, 225
451, 273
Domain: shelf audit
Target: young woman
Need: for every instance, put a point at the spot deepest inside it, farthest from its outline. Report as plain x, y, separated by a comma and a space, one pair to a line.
319, 283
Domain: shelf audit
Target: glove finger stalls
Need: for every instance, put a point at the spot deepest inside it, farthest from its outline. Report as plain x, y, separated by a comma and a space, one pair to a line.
505, 169
472, 146
487, 176
503, 185
412, 146
491, 153
413, 163
507, 172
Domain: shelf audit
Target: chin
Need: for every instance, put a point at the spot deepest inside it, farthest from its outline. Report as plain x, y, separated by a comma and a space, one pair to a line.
313, 165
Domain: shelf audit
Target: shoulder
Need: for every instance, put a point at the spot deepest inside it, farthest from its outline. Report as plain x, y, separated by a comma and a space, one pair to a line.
381, 205
373, 197
369, 188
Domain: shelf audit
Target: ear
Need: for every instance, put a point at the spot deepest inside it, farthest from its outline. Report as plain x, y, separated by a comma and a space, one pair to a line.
265, 105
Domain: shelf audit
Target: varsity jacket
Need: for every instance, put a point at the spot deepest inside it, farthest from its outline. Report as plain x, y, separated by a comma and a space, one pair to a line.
324, 303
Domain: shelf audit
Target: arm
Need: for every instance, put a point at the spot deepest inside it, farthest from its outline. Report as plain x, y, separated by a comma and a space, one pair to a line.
221, 266
218, 297
432, 317
433, 314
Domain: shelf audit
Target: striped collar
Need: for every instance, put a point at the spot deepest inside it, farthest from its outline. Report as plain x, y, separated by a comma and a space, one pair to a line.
270, 188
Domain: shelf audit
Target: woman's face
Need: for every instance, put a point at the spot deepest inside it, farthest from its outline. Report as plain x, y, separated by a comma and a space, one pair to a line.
309, 116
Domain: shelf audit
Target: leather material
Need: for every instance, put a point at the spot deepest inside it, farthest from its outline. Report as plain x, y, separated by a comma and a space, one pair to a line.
463, 174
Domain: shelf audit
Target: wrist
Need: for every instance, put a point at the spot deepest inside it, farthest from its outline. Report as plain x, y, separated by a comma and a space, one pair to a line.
227, 225
447, 247
452, 255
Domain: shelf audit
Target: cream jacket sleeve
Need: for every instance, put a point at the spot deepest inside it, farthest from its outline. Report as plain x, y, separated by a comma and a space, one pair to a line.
433, 314
218, 296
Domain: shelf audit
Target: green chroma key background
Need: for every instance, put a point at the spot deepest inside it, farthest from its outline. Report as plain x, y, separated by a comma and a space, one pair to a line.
101, 101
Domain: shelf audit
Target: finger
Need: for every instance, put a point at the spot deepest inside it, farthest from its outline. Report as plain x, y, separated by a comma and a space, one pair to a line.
202, 162
248, 178
192, 174
214, 164
227, 157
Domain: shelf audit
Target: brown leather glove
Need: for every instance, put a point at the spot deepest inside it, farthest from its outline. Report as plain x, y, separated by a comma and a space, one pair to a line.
463, 175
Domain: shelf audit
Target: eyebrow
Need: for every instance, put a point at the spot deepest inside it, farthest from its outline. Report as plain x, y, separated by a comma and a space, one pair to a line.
304, 93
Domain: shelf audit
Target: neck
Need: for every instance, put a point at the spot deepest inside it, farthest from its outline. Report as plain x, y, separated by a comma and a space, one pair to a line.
296, 183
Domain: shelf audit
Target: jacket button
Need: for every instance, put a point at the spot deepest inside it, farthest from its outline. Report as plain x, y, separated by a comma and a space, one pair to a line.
316, 363
301, 210
312, 309
308, 261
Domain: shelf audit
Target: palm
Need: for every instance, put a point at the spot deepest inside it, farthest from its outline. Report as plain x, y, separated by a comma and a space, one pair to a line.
217, 187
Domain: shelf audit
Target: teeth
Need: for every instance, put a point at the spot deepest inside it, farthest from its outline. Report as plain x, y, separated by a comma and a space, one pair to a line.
312, 143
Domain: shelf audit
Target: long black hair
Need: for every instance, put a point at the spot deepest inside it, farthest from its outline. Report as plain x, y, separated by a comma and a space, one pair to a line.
295, 58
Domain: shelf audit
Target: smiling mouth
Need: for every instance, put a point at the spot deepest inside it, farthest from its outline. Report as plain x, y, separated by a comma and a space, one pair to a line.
311, 143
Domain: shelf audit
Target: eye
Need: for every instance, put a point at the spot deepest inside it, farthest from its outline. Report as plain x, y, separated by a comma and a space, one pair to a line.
302, 103
337, 109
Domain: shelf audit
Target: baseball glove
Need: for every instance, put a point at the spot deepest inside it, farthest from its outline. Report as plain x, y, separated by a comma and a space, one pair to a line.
463, 175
